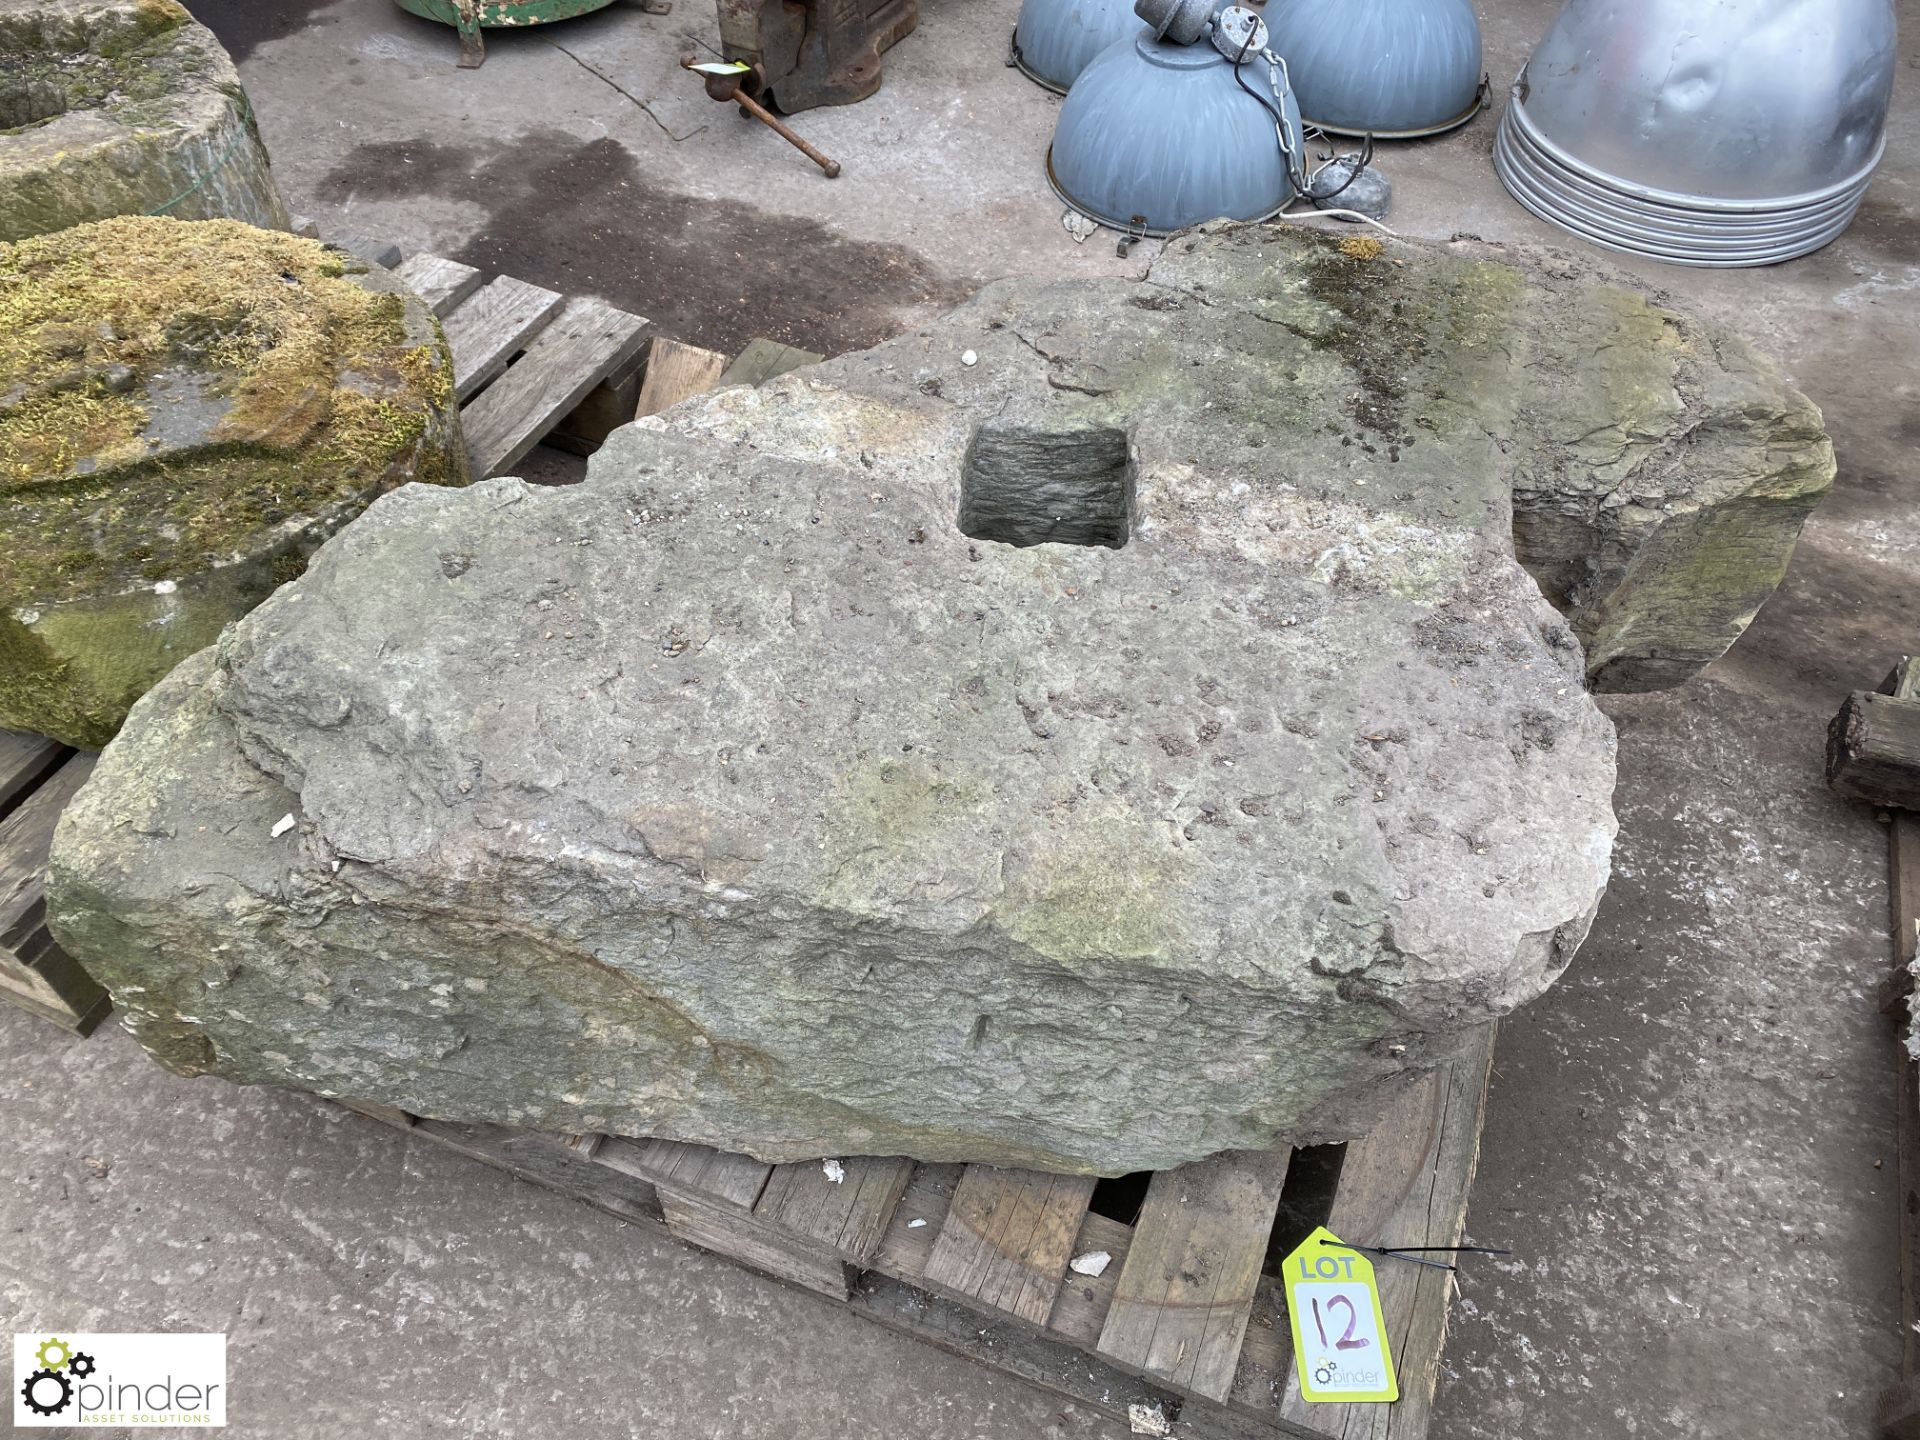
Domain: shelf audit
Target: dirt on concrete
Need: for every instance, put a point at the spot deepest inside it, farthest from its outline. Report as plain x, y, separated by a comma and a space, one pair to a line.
582, 218
245, 25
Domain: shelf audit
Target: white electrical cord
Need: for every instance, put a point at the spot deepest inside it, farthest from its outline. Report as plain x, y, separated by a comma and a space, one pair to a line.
1287, 213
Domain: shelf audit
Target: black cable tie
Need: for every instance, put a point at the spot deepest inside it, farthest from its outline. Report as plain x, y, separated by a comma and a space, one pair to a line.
1412, 1253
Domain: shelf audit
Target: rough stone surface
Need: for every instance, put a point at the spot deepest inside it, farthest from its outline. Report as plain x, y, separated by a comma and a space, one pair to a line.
186, 411
1671, 472
1660, 468
123, 107
739, 795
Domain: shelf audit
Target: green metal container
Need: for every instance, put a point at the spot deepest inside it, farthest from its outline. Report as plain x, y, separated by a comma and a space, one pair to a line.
469, 17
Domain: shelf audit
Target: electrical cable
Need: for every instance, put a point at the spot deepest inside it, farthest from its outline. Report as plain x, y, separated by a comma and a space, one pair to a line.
1359, 161
1288, 213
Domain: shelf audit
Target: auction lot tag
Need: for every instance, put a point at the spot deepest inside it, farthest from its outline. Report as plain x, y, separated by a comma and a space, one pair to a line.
1339, 1334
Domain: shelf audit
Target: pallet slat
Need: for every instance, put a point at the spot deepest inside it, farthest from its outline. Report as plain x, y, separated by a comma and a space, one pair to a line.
24, 761
1184, 1298
1080, 1309
759, 1247
36, 973
676, 372
1392, 1202
906, 1247
1007, 1238
1266, 1356
848, 1216
442, 283
579, 348
715, 1177
491, 326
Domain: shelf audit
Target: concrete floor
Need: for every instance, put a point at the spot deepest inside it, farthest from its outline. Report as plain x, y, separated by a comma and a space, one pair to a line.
1686, 1138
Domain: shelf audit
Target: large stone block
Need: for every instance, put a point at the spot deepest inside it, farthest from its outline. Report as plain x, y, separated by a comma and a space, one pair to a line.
1137, 743
186, 411
123, 107
1667, 476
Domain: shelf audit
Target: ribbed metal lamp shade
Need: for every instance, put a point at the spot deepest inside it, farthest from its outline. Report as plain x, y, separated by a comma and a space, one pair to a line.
1702, 132
1056, 39
1392, 68
1154, 137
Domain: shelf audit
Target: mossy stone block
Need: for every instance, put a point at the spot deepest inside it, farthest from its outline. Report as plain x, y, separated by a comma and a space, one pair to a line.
186, 411
123, 107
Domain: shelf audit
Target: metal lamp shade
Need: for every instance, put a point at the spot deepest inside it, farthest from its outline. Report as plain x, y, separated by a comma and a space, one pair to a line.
1155, 137
1056, 39
1395, 69
1702, 132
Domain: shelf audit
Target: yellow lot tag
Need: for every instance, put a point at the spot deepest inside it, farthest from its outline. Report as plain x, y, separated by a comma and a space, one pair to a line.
1339, 1334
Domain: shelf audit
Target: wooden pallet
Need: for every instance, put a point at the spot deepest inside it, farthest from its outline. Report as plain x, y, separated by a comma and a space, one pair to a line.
37, 778
529, 363
1900, 1404
1187, 1318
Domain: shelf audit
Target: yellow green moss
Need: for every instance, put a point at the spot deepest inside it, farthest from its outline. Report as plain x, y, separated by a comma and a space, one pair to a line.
326, 395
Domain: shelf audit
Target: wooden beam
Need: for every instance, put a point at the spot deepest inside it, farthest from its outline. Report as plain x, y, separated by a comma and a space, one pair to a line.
676, 372
759, 1247
1181, 1308
1900, 1412
1873, 750
545, 1160
608, 406
1007, 1238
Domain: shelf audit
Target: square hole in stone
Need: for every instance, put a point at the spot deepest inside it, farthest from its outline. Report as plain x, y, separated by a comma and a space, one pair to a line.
1029, 485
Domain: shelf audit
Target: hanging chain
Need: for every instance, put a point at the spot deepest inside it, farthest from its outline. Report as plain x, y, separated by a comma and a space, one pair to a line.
1281, 83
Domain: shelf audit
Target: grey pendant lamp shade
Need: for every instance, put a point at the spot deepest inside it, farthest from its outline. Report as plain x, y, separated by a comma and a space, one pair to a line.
1056, 39
1155, 136
1395, 69
1702, 132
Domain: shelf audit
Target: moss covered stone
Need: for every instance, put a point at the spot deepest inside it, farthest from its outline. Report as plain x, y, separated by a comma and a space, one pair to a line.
123, 107
186, 411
